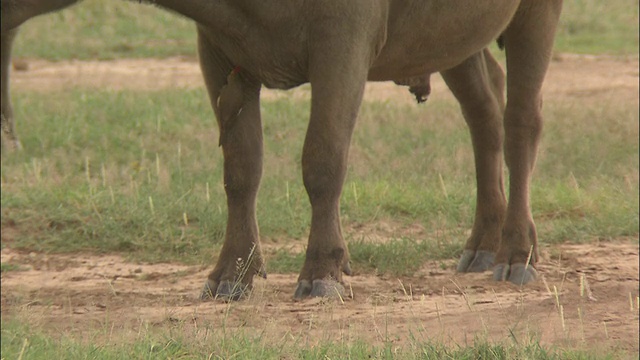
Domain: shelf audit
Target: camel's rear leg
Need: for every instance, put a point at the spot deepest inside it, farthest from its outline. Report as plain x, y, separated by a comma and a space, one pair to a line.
14, 13
478, 85
528, 44
6, 117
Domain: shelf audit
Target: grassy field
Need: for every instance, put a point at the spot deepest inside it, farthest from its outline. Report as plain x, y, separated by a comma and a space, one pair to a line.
114, 172
97, 181
218, 345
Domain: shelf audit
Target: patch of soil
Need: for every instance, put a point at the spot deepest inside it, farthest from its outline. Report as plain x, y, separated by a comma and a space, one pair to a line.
587, 296
573, 76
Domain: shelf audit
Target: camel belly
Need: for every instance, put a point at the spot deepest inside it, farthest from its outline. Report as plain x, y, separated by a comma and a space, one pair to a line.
436, 37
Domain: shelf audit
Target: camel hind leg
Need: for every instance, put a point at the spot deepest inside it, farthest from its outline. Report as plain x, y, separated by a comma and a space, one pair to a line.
15, 13
528, 45
6, 117
478, 85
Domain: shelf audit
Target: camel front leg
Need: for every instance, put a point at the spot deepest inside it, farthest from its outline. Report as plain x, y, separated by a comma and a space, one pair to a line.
478, 85
528, 44
336, 93
235, 99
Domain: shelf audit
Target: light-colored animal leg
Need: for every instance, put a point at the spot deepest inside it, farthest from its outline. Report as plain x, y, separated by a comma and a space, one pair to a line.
235, 100
528, 44
336, 93
6, 117
478, 85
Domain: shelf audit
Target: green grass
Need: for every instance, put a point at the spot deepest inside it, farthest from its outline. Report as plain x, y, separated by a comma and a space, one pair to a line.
21, 341
106, 30
97, 29
402, 257
107, 171
5, 266
599, 27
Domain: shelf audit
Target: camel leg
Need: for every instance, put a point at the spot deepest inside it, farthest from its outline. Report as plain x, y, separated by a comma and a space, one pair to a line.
337, 86
528, 44
235, 100
6, 117
478, 85
14, 13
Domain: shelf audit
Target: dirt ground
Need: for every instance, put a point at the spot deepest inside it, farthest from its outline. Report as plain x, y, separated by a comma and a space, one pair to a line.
587, 295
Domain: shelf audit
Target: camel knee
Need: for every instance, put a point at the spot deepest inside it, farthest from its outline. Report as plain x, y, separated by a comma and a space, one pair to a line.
524, 122
322, 182
242, 174
324, 166
241, 188
484, 119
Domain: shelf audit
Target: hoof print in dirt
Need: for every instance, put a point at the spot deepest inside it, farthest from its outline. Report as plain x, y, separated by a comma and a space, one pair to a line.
226, 290
326, 288
476, 261
518, 274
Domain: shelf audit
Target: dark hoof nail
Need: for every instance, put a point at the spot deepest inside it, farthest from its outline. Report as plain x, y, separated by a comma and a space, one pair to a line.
232, 290
521, 274
483, 261
501, 272
465, 260
263, 272
346, 268
476, 261
518, 274
209, 290
328, 289
303, 290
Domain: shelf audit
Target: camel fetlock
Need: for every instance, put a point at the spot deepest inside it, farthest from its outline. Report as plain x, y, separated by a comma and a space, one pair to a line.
517, 256
232, 278
321, 274
481, 247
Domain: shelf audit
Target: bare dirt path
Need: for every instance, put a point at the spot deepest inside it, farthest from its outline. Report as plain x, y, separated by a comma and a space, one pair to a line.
569, 75
587, 296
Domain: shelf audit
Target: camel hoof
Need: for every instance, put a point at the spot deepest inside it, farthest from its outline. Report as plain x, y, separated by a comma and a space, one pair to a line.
518, 274
319, 288
346, 268
226, 290
476, 261
232, 290
327, 288
262, 272
303, 290
209, 290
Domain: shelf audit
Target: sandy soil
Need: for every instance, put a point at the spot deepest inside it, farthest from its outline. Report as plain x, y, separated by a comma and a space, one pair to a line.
569, 75
587, 295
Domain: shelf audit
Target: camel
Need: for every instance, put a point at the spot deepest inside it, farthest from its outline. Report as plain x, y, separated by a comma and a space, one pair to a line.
337, 46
